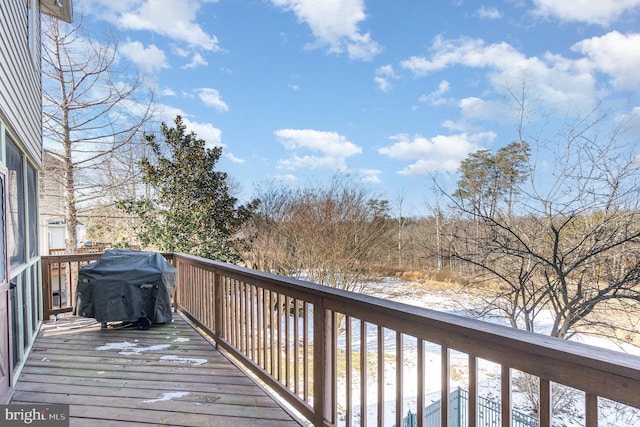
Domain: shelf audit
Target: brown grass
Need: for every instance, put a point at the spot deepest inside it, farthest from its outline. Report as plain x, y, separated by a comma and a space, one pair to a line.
435, 279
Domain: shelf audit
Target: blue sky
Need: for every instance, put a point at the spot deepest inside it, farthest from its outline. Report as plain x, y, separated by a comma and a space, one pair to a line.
390, 92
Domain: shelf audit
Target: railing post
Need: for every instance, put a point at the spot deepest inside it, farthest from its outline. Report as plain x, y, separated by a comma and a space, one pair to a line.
218, 302
545, 412
178, 287
322, 372
45, 265
472, 414
445, 385
591, 410
505, 386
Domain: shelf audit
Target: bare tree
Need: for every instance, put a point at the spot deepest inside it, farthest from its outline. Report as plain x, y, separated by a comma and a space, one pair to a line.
569, 243
331, 236
90, 118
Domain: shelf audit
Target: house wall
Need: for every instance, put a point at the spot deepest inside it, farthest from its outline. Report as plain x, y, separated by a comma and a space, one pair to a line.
21, 153
20, 83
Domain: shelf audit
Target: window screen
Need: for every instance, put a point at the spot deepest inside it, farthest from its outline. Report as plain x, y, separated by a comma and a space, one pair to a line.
16, 219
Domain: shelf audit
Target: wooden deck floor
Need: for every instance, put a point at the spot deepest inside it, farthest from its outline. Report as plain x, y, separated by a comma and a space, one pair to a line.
167, 375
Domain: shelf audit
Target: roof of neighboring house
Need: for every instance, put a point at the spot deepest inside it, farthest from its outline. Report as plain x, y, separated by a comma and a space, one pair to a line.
59, 9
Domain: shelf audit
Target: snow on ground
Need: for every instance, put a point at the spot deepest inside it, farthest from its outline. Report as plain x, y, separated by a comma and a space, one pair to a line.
184, 360
167, 396
131, 349
612, 414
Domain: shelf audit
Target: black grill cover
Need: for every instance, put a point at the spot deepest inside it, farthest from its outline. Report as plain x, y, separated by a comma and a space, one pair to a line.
126, 285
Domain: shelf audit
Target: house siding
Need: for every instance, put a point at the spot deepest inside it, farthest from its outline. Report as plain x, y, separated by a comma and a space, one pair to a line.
21, 154
20, 83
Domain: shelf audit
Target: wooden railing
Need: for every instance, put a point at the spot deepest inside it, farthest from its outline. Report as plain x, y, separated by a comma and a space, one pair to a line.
312, 345
59, 281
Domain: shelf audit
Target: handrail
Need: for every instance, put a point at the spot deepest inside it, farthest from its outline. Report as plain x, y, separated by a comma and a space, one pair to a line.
303, 339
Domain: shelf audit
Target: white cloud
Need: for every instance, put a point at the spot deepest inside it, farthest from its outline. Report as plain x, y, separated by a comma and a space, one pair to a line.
371, 176
335, 24
440, 153
330, 143
382, 83
474, 108
383, 77
615, 54
167, 91
287, 177
150, 59
334, 149
206, 131
489, 13
197, 61
361, 46
435, 98
180, 51
175, 19
211, 97
233, 158
312, 162
599, 12
631, 121
556, 80
167, 113
465, 51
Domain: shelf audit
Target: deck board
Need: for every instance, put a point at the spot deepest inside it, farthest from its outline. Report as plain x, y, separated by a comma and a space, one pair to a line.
169, 375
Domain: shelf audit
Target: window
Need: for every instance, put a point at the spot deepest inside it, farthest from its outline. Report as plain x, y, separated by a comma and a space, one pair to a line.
16, 220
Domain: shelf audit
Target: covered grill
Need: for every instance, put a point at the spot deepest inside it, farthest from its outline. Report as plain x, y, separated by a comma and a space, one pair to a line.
128, 286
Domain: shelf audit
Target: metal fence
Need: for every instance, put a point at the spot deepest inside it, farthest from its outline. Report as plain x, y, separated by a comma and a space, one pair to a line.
489, 413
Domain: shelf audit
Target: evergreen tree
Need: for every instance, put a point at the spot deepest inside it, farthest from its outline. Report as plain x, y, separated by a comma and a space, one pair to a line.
474, 185
512, 164
191, 208
488, 179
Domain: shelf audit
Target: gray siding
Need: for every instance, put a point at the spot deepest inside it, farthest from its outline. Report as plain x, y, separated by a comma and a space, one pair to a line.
20, 86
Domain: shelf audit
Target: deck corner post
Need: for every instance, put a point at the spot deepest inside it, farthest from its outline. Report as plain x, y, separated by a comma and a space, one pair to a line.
322, 366
45, 265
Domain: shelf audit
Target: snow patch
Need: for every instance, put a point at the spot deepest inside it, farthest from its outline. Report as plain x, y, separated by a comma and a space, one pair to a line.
168, 396
184, 360
131, 349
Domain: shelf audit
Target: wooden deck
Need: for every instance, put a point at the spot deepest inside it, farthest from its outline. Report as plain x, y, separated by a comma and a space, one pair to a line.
167, 375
